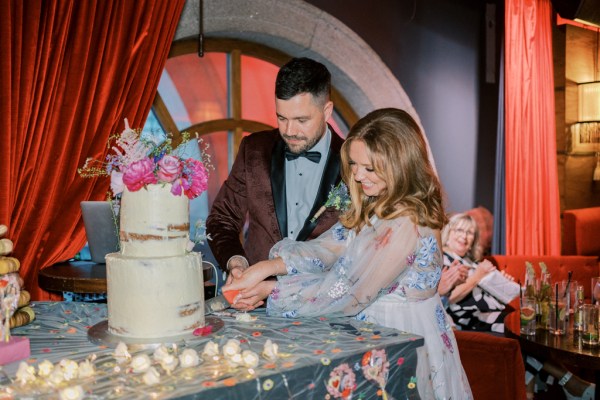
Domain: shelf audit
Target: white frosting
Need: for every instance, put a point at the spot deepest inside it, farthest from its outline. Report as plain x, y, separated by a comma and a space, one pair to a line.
154, 298
154, 222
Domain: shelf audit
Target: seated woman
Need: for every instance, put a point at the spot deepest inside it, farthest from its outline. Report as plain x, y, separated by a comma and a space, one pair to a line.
471, 307
382, 263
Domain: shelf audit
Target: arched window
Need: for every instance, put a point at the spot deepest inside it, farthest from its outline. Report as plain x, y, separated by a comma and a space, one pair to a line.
224, 95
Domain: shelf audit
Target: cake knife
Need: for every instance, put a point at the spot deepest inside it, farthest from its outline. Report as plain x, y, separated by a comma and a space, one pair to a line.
220, 302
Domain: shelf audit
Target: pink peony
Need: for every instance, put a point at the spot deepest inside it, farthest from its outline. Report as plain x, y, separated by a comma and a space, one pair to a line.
138, 174
169, 168
197, 178
116, 182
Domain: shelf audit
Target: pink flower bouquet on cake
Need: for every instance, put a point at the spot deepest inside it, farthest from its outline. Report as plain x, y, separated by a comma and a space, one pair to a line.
139, 160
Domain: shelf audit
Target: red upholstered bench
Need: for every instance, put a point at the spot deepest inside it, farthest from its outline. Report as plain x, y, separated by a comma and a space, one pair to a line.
493, 364
581, 232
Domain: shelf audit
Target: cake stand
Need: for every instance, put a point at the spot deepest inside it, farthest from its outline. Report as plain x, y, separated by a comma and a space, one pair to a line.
99, 334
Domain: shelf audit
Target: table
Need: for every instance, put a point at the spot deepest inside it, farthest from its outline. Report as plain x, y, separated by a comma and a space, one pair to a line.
316, 355
83, 277
567, 349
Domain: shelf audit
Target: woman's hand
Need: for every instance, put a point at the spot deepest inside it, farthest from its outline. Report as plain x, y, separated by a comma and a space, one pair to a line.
452, 276
253, 275
249, 299
483, 268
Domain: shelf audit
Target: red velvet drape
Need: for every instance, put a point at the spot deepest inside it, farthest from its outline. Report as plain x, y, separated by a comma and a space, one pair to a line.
70, 71
532, 197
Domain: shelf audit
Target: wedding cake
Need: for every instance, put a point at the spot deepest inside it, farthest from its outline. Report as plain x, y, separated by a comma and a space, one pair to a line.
155, 286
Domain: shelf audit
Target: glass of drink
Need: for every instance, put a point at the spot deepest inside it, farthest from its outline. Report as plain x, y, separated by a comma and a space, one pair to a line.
590, 333
528, 315
557, 318
567, 294
596, 290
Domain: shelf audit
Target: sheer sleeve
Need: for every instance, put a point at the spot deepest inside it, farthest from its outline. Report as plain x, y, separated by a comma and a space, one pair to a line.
365, 267
316, 255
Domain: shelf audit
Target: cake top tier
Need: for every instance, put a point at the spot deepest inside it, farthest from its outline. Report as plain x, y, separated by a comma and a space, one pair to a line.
154, 222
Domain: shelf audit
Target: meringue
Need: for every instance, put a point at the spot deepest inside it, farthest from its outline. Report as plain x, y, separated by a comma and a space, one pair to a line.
231, 348
270, 350
141, 363
189, 358
250, 358
45, 368
151, 377
86, 369
25, 373
71, 393
211, 349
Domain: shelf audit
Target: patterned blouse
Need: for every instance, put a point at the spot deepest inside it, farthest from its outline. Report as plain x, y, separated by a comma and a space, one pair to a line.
342, 272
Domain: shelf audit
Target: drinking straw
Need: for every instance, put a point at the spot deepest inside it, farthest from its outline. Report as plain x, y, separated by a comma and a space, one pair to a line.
569, 275
556, 306
520, 293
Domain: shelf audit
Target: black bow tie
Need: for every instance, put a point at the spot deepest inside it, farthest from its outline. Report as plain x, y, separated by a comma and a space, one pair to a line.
313, 156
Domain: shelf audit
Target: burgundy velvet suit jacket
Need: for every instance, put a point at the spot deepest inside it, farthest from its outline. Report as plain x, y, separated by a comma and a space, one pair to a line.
256, 187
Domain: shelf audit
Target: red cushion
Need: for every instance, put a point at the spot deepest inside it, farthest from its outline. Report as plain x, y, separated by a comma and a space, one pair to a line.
493, 364
581, 230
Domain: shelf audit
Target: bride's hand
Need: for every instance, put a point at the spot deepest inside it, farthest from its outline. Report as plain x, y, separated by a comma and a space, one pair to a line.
255, 274
249, 299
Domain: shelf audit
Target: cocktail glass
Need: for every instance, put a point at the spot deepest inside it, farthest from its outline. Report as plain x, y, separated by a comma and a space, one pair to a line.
528, 315
557, 318
590, 333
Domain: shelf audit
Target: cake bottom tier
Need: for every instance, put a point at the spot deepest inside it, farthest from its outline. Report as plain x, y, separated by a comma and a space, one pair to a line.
154, 297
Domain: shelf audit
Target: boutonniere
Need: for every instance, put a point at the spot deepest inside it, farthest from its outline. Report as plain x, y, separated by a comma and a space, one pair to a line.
338, 198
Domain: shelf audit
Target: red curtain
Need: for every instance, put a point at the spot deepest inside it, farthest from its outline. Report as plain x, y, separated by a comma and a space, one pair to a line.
70, 72
532, 197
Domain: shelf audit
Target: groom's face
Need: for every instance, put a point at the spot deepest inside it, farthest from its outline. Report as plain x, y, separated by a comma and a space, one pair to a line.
302, 121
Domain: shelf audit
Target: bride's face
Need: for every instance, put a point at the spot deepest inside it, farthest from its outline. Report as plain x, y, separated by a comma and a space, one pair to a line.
362, 170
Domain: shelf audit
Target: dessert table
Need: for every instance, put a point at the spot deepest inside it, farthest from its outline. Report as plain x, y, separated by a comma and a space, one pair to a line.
317, 358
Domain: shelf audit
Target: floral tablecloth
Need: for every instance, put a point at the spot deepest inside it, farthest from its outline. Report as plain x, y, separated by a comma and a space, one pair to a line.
319, 358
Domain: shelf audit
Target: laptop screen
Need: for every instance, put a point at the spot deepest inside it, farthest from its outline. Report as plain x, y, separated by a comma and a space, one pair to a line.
100, 229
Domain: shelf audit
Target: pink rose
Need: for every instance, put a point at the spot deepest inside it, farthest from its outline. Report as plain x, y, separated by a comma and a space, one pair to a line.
138, 174
116, 182
197, 178
169, 168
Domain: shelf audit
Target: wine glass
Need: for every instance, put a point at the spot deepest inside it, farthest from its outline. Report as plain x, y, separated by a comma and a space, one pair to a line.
596, 290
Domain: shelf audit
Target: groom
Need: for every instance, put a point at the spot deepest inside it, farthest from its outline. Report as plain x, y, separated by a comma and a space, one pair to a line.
280, 178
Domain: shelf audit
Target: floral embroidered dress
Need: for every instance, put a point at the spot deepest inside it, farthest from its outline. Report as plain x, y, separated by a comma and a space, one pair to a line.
387, 274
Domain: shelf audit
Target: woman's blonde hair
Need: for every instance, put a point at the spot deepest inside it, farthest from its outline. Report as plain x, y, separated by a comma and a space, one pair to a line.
474, 253
398, 154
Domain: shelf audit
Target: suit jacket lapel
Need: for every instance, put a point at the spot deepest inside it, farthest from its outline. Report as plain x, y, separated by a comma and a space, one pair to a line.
330, 178
278, 185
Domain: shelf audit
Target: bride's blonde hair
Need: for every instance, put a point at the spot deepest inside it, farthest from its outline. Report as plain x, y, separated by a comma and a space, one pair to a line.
398, 154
